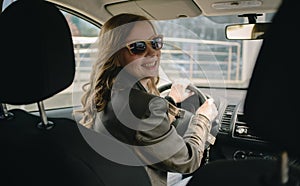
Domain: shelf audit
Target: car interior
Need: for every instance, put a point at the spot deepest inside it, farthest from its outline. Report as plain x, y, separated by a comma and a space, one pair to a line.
256, 130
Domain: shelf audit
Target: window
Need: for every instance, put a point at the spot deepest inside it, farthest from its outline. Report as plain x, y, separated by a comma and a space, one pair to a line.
84, 35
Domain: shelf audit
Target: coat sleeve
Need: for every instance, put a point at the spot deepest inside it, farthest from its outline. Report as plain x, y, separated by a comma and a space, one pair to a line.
159, 144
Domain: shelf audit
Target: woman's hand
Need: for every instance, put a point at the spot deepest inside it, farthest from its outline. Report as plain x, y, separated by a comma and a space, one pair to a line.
208, 109
179, 92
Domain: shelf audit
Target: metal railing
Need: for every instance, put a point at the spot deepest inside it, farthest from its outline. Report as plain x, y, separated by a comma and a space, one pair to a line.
198, 60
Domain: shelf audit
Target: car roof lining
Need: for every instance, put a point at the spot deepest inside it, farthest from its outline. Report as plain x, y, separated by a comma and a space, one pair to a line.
229, 7
101, 10
155, 9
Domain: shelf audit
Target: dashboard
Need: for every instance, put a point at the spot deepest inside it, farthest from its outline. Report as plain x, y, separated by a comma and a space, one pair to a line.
236, 139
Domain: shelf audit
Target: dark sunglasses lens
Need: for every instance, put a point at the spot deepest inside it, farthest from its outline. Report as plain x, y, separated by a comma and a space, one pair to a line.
157, 43
138, 47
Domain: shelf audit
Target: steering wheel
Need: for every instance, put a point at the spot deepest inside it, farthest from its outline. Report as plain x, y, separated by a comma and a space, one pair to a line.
191, 103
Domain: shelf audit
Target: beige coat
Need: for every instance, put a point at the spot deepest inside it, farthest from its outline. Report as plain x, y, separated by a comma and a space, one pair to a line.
156, 142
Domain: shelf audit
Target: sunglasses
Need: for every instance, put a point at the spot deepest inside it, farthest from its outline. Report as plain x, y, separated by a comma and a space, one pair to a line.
140, 46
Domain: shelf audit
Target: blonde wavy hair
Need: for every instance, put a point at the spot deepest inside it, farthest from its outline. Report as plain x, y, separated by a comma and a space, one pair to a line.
111, 44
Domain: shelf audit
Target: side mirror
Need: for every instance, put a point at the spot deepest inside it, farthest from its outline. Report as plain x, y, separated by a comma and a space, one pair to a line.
246, 31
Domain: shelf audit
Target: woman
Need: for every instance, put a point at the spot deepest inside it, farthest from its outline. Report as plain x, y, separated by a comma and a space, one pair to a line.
122, 92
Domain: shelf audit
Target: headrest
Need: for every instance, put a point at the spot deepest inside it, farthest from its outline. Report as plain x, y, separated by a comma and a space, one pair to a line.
37, 56
272, 101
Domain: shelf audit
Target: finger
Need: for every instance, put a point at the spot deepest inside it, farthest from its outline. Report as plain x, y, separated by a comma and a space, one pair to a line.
210, 100
189, 93
183, 82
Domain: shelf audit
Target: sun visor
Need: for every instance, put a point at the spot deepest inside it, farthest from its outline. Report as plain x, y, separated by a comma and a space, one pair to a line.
157, 9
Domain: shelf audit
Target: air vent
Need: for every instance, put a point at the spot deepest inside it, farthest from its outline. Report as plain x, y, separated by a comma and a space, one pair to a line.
243, 130
226, 118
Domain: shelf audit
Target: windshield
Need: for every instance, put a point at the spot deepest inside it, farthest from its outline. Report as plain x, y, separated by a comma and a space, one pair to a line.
196, 49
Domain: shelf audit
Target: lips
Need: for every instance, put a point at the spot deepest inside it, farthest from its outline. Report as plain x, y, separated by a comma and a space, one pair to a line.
150, 64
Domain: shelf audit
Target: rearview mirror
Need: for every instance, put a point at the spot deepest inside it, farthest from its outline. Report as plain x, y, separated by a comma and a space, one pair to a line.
246, 31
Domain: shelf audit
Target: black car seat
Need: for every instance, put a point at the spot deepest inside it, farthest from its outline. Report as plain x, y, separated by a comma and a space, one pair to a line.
271, 109
37, 62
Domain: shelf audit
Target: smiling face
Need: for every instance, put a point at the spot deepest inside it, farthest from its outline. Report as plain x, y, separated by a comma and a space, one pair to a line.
146, 64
